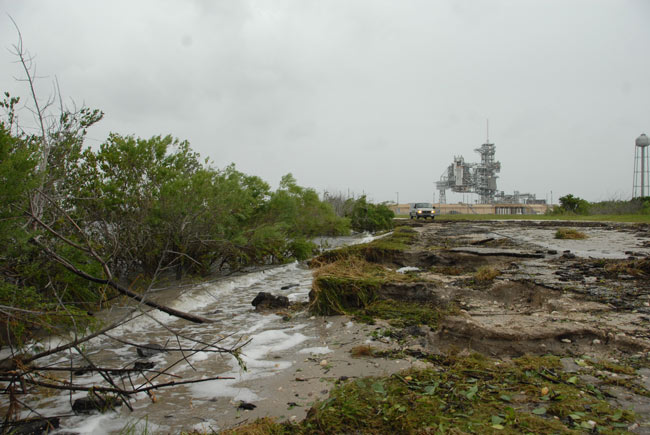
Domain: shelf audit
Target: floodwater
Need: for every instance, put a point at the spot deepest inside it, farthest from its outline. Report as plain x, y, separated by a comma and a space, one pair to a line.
600, 242
227, 302
274, 350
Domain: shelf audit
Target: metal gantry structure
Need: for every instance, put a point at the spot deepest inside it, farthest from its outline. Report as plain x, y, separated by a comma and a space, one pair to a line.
479, 178
641, 185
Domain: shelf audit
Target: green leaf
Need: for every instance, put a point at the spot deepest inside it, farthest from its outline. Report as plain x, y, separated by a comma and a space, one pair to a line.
539, 411
471, 392
572, 380
378, 387
617, 415
497, 427
430, 390
505, 398
497, 420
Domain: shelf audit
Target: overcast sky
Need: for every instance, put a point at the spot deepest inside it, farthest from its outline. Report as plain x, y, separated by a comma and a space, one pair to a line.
374, 96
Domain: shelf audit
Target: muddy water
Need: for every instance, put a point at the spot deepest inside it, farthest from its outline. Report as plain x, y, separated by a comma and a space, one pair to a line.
600, 243
274, 346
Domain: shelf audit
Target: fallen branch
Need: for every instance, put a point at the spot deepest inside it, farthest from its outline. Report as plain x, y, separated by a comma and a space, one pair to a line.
120, 288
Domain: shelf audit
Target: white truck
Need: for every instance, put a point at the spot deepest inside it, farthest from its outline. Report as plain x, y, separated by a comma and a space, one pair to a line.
422, 210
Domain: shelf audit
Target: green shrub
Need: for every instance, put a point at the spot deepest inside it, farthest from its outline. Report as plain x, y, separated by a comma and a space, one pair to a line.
573, 204
365, 216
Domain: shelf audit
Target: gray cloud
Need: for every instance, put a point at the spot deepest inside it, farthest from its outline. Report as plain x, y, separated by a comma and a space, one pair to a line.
375, 96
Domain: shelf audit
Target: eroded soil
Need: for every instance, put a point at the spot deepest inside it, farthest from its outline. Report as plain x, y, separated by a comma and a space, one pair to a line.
573, 298
586, 301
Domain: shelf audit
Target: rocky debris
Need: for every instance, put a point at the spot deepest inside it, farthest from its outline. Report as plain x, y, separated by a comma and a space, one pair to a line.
33, 426
288, 286
95, 402
149, 350
144, 365
414, 291
265, 300
83, 370
246, 406
492, 252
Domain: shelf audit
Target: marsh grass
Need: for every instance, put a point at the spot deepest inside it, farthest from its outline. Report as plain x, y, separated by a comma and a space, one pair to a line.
486, 274
638, 267
379, 250
569, 234
349, 283
472, 394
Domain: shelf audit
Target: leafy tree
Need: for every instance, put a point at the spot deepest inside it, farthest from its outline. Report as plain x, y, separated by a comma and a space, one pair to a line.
365, 216
573, 204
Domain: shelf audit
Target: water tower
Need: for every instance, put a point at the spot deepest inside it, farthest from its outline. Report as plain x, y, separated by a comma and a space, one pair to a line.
641, 167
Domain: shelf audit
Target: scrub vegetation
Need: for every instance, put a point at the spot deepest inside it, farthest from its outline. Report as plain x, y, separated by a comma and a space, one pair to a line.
130, 208
364, 216
461, 394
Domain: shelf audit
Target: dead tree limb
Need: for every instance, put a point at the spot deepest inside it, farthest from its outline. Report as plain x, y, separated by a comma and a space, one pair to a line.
120, 288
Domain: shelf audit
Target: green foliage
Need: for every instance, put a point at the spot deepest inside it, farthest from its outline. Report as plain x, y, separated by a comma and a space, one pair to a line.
471, 394
573, 204
621, 207
365, 216
140, 204
402, 314
17, 177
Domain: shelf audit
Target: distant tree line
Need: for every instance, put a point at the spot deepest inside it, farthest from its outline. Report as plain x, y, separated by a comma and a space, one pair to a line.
570, 204
363, 215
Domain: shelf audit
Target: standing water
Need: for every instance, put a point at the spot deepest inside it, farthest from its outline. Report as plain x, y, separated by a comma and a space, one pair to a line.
272, 345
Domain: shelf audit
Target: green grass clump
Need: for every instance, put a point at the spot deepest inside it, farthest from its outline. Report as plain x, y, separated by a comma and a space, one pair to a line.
401, 314
379, 250
472, 394
348, 284
486, 274
569, 234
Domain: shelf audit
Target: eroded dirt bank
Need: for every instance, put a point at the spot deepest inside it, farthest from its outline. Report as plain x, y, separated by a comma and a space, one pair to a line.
504, 289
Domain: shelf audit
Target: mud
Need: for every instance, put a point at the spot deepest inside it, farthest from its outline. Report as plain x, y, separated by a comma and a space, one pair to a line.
577, 298
580, 299
543, 299
584, 300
